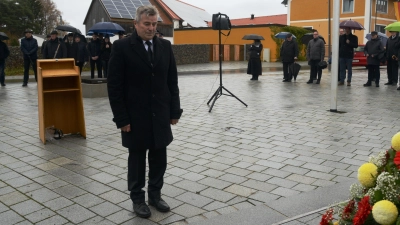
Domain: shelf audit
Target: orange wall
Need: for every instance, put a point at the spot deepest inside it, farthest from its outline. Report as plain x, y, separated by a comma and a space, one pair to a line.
209, 36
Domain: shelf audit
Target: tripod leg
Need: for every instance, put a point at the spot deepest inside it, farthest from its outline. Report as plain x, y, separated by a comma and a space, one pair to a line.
215, 98
234, 96
212, 97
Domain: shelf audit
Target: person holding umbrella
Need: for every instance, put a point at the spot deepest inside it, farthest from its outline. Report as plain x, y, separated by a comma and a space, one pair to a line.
254, 65
81, 53
347, 43
105, 54
392, 49
94, 48
29, 48
289, 52
373, 49
4, 53
315, 54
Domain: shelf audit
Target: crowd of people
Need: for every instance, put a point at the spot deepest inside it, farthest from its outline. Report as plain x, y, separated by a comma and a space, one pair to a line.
376, 54
96, 52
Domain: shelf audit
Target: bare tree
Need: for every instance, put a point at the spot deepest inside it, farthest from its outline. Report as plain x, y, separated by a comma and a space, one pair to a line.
51, 16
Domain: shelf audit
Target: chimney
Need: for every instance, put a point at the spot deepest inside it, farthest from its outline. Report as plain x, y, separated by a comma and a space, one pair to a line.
252, 17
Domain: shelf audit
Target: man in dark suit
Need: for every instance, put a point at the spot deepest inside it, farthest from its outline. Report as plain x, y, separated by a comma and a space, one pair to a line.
144, 98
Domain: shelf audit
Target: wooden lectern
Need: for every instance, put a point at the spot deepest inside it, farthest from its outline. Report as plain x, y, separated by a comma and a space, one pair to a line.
60, 97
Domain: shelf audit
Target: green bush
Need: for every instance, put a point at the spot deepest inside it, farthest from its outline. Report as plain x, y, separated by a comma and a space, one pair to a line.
296, 31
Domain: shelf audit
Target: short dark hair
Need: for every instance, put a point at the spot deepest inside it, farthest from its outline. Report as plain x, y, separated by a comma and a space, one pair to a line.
288, 35
374, 33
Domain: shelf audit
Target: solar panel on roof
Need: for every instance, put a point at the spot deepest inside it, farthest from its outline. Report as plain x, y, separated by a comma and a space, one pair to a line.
124, 8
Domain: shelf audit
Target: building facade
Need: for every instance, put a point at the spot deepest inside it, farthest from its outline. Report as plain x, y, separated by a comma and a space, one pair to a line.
372, 14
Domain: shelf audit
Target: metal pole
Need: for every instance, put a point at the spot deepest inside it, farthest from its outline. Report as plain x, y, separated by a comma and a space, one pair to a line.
329, 33
376, 12
335, 55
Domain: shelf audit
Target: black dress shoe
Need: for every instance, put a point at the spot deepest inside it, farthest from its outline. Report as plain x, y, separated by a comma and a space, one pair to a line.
24, 84
310, 82
142, 210
3, 84
286, 80
377, 84
318, 81
367, 84
160, 205
388, 83
398, 88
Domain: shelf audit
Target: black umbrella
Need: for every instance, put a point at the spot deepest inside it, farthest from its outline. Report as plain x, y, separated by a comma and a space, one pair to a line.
3, 36
294, 69
354, 25
308, 37
68, 28
253, 37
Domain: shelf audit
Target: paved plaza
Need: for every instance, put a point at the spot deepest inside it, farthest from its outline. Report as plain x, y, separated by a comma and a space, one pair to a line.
280, 160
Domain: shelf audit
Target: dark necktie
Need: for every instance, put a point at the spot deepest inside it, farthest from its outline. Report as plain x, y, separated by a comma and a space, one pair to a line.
149, 51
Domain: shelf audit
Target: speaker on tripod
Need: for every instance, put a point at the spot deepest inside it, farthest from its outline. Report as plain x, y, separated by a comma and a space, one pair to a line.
221, 22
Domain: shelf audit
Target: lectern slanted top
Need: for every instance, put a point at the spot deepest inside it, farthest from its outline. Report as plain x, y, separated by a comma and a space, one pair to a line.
60, 97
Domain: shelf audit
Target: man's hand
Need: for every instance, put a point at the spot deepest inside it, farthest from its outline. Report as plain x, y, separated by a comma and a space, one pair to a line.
93, 58
126, 128
347, 41
174, 121
295, 58
367, 55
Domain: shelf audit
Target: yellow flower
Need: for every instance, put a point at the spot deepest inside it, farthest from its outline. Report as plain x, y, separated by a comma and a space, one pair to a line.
336, 223
367, 174
396, 142
385, 212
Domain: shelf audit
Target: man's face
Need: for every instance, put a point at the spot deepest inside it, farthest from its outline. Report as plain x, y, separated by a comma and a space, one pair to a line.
28, 35
146, 27
94, 37
290, 38
393, 33
348, 31
374, 36
70, 38
53, 36
77, 39
315, 35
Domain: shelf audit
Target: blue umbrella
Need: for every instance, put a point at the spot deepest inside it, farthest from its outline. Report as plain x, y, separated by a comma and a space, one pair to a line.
90, 33
381, 36
282, 35
106, 27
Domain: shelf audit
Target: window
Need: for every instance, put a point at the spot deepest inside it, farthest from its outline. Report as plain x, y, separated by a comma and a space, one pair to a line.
308, 28
380, 28
382, 6
348, 6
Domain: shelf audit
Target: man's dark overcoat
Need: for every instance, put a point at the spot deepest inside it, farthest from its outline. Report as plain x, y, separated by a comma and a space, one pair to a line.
142, 95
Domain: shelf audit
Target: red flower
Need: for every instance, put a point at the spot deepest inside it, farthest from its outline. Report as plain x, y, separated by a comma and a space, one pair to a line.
327, 217
364, 209
396, 159
348, 210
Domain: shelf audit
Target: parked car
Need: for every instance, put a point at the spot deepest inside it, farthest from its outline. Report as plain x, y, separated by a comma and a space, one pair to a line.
359, 58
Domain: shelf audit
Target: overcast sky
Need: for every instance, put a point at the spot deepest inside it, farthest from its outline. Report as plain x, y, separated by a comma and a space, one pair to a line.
74, 11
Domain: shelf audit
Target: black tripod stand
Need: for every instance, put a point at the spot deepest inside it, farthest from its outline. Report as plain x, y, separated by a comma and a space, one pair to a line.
218, 93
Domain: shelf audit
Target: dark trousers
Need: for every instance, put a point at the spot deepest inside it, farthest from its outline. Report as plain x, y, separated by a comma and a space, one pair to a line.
137, 173
392, 71
2, 67
286, 74
374, 73
315, 69
98, 65
344, 64
27, 63
105, 67
80, 65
